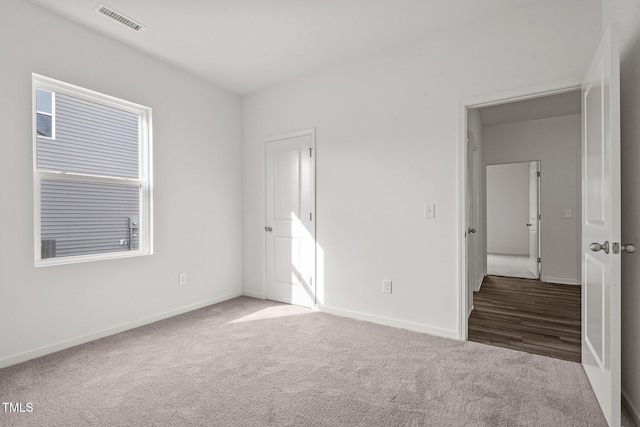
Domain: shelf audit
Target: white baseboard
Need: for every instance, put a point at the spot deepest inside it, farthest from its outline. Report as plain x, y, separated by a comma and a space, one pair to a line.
62, 345
560, 280
509, 253
412, 326
634, 411
479, 284
256, 295
469, 313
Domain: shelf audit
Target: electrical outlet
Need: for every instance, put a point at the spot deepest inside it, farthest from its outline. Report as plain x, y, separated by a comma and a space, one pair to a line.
182, 279
386, 286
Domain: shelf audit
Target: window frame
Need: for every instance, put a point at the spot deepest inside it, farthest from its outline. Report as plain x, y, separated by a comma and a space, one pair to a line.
144, 180
52, 115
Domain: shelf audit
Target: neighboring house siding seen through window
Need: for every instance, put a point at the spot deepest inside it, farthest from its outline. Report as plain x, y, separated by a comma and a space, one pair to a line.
45, 119
92, 175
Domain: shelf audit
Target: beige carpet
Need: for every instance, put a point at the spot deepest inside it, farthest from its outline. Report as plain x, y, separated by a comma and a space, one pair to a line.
247, 362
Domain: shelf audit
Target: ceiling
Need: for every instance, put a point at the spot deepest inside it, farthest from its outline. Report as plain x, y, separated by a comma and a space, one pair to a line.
248, 45
562, 104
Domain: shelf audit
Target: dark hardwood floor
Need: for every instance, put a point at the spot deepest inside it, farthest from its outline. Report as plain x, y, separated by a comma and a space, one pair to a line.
528, 315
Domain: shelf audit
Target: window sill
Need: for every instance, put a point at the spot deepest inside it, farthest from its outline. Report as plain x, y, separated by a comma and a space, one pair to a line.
89, 258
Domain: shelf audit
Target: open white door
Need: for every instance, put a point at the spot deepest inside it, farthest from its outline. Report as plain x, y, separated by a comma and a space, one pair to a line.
290, 219
471, 224
601, 226
533, 224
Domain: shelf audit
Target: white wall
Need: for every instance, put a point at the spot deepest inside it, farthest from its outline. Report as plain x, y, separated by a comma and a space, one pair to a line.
508, 208
387, 143
197, 178
630, 153
556, 143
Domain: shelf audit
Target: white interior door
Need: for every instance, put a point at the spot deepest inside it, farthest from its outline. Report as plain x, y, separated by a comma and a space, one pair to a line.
601, 227
471, 226
290, 219
533, 224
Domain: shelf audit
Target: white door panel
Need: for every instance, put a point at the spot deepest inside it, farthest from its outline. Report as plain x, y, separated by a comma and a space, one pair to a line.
594, 299
600, 225
290, 216
286, 184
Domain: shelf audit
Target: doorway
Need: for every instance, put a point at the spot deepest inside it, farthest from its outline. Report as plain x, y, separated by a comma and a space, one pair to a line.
540, 133
513, 216
599, 226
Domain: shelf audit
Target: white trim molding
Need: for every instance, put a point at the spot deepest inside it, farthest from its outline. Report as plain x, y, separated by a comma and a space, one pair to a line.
561, 280
62, 345
256, 295
402, 324
633, 411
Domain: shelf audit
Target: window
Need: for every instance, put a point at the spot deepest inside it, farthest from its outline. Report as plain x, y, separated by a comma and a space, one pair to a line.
92, 175
45, 118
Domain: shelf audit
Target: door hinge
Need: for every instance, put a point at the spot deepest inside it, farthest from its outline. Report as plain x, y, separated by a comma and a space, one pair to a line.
310, 150
310, 216
310, 281
539, 260
539, 216
538, 173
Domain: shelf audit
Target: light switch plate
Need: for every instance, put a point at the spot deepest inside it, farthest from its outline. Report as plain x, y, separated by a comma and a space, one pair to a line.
429, 210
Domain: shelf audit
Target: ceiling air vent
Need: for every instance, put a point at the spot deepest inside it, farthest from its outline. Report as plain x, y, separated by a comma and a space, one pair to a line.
117, 16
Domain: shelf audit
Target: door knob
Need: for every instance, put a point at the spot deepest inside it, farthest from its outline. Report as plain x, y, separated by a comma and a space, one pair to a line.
597, 247
529, 225
269, 229
628, 248
471, 230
